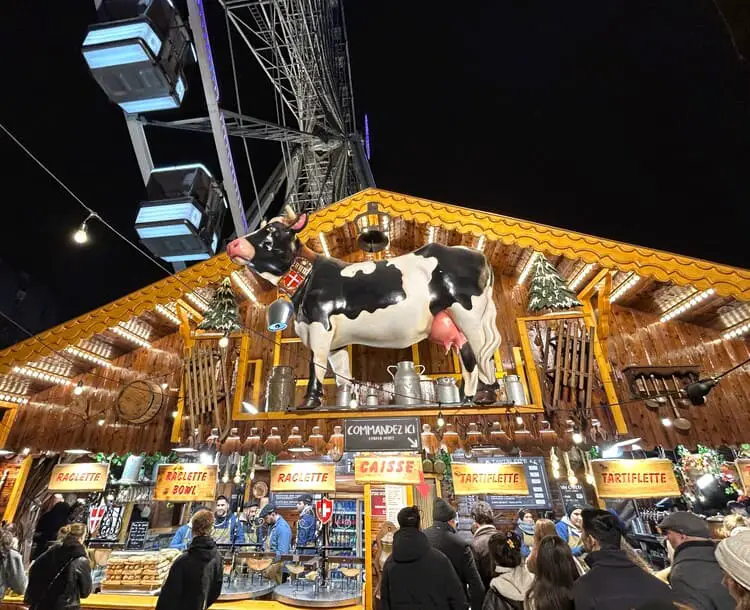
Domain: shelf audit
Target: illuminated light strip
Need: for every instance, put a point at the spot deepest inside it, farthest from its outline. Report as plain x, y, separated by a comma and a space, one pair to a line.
687, 304
19, 400
130, 336
737, 331
623, 287
323, 244
244, 286
33, 373
198, 301
86, 355
166, 313
430, 235
527, 267
583, 273
481, 242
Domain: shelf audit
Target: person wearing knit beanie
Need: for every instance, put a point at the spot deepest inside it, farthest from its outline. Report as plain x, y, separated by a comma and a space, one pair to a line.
442, 511
733, 555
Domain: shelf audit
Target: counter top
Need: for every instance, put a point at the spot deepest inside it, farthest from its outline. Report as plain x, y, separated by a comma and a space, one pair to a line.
107, 601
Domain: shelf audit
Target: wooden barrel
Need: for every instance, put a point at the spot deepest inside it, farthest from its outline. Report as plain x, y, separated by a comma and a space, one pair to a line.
140, 401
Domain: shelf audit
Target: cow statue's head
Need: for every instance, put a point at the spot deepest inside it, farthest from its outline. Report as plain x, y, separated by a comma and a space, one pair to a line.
270, 250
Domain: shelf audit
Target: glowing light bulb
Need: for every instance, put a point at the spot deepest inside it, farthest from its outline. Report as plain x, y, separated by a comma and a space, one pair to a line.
78, 390
440, 420
577, 438
225, 478
572, 480
353, 404
100, 422
174, 414
666, 422
81, 236
224, 342
519, 420
590, 478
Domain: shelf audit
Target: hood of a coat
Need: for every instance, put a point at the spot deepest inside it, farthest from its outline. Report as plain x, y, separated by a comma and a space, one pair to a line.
512, 583
696, 550
485, 531
202, 548
409, 544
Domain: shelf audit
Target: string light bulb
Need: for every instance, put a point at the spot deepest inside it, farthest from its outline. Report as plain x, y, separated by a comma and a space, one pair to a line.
577, 437
440, 420
589, 478
224, 342
78, 390
666, 422
572, 480
81, 236
353, 404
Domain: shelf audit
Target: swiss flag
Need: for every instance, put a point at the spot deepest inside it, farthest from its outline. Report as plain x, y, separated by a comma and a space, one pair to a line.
324, 508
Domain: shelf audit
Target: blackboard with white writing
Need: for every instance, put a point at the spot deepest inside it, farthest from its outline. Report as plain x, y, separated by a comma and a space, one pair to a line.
137, 535
382, 434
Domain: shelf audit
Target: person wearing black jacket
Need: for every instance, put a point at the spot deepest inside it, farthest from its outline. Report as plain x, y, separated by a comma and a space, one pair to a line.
195, 578
49, 524
614, 582
442, 536
417, 576
61, 575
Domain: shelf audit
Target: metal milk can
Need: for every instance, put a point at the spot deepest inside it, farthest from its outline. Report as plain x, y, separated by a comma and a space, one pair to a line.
280, 389
406, 381
344, 395
447, 392
514, 390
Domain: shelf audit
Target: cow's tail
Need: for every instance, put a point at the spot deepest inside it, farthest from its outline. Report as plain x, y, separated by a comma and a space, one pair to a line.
489, 323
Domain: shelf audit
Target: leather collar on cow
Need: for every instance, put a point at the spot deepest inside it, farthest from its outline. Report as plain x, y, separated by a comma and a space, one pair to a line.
296, 277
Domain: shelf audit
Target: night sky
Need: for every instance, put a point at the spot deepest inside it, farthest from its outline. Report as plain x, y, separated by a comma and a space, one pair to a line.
625, 119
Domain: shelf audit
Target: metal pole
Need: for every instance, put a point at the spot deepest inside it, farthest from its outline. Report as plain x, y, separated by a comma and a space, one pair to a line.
140, 146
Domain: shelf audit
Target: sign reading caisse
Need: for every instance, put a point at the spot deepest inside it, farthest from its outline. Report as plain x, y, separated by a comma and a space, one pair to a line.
632, 479
488, 478
90, 477
186, 482
304, 476
398, 469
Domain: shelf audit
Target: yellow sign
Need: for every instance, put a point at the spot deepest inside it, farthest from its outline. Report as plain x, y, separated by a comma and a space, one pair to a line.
398, 469
304, 476
492, 479
743, 470
186, 482
634, 479
90, 477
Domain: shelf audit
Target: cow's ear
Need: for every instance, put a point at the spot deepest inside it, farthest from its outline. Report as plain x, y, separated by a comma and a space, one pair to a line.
300, 223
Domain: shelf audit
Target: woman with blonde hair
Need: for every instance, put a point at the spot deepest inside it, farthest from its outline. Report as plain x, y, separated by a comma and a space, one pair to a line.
734, 524
61, 576
542, 528
733, 555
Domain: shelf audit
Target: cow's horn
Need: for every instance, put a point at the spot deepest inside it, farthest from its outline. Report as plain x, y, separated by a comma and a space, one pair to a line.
263, 223
291, 216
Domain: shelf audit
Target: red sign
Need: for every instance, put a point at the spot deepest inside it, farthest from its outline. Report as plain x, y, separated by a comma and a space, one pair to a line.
324, 508
96, 513
377, 502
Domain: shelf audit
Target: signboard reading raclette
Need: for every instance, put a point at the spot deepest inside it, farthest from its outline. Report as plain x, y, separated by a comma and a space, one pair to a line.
492, 479
89, 477
186, 482
304, 477
382, 434
633, 479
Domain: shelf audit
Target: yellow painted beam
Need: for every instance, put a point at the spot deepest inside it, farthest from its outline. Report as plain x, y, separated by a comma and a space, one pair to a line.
239, 388
17, 491
521, 371
177, 423
368, 544
528, 359
585, 293
8, 420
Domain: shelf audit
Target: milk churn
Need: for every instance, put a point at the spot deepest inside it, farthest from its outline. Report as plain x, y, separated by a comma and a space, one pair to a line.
406, 381
280, 389
514, 390
447, 392
344, 395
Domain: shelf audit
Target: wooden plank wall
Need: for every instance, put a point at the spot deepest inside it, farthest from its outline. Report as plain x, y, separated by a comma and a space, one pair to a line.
640, 339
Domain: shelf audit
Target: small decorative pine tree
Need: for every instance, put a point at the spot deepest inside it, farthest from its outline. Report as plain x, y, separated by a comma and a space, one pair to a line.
548, 290
223, 314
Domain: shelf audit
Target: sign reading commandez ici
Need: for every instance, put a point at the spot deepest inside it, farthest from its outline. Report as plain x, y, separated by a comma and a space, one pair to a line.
186, 482
382, 434
91, 476
633, 479
303, 476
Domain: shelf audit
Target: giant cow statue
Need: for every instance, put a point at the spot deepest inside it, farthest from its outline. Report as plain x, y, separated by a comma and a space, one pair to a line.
439, 292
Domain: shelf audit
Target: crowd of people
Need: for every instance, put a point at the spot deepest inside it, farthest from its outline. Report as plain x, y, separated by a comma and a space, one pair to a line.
582, 562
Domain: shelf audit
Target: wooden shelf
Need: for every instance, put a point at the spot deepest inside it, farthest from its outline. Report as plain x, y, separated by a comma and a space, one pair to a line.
393, 411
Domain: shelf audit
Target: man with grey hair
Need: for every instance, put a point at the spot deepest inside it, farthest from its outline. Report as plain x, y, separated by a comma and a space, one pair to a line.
484, 519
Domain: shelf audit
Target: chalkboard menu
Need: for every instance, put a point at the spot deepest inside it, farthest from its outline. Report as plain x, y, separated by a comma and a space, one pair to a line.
573, 494
137, 535
539, 497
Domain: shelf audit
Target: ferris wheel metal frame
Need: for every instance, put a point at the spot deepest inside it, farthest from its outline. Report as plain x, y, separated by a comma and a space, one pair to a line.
302, 48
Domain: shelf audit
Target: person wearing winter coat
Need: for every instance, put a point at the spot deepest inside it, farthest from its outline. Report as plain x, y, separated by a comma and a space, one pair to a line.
61, 576
614, 581
195, 578
695, 577
569, 528
525, 531
442, 536
508, 589
49, 524
12, 574
417, 576
542, 529
484, 520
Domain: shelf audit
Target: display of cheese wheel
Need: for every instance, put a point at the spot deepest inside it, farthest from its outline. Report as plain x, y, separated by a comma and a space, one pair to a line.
140, 401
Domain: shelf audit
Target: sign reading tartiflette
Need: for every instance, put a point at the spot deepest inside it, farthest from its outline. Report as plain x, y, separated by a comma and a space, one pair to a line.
90, 477
488, 478
397, 469
303, 477
632, 479
186, 482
